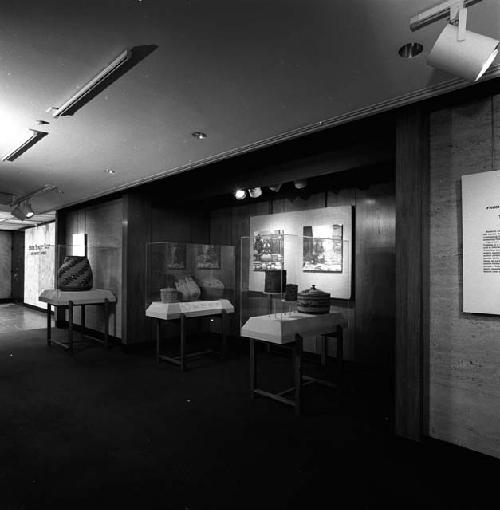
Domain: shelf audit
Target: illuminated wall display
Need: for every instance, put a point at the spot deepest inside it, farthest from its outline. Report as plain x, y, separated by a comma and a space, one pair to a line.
39, 262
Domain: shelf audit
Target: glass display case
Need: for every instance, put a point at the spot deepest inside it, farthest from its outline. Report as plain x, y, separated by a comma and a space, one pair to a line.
182, 274
288, 277
72, 276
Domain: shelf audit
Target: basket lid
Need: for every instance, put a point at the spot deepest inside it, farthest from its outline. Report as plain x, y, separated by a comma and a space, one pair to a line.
313, 291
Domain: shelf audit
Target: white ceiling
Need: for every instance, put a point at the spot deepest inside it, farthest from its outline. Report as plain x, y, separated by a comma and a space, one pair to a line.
243, 71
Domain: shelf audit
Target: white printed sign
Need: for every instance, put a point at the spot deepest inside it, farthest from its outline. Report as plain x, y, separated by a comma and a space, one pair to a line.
481, 242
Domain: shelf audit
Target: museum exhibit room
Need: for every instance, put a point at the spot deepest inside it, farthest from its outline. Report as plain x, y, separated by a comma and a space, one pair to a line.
249, 254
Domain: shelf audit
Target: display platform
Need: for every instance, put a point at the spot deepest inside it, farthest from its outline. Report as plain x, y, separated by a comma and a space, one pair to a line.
168, 311
281, 328
183, 311
70, 299
58, 297
288, 330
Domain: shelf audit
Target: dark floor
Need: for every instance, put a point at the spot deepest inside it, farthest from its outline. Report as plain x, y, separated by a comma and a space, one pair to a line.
114, 430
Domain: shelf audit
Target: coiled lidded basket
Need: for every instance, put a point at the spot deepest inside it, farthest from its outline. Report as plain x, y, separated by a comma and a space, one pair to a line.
75, 274
313, 300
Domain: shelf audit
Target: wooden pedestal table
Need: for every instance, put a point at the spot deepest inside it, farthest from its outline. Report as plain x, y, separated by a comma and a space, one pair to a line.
97, 297
288, 330
182, 311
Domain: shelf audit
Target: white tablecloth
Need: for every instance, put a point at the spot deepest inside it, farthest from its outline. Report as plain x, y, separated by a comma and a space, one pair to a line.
168, 311
85, 297
281, 328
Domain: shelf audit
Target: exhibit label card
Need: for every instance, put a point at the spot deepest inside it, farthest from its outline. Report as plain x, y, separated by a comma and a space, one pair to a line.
481, 242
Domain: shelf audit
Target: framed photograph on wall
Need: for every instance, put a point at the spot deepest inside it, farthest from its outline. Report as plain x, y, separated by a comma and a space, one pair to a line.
268, 250
176, 256
207, 256
323, 249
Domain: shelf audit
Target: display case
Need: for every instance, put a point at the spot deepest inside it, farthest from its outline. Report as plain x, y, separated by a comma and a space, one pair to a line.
189, 278
73, 276
286, 279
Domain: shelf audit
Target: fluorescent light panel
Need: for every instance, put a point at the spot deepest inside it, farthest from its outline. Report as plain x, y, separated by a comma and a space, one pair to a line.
70, 106
33, 137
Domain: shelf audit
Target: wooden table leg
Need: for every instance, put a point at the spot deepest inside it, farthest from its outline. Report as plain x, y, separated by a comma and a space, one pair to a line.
70, 326
223, 333
82, 319
183, 344
106, 323
158, 325
340, 357
297, 370
253, 367
324, 349
49, 324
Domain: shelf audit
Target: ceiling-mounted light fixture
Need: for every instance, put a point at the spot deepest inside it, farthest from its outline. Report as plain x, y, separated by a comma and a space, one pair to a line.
410, 50
275, 188
21, 206
199, 135
33, 136
457, 50
100, 80
240, 194
300, 184
22, 211
255, 192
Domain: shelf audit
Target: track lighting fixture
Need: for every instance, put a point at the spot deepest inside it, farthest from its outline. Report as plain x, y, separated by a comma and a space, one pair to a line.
240, 194
21, 206
457, 50
275, 188
255, 192
22, 211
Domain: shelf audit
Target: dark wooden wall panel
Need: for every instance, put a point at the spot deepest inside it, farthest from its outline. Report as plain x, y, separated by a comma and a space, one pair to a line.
136, 233
412, 169
375, 274
17, 283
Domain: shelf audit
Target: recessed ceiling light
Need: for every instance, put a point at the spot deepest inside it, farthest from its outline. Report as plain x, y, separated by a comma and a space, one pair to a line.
199, 135
410, 50
110, 171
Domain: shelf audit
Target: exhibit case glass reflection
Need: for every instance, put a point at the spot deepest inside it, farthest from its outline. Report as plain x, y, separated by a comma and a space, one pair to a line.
285, 277
189, 276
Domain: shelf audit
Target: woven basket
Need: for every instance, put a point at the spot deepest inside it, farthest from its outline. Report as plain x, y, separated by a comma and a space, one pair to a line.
75, 274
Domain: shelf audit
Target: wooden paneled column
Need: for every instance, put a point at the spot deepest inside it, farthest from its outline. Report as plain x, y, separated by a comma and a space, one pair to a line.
136, 233
412, 177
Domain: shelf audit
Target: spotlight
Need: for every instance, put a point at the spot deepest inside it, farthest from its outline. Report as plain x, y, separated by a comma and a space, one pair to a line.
300, 184
22, 211
255, 192
469, 58
457, 50
275, 188
240, 194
